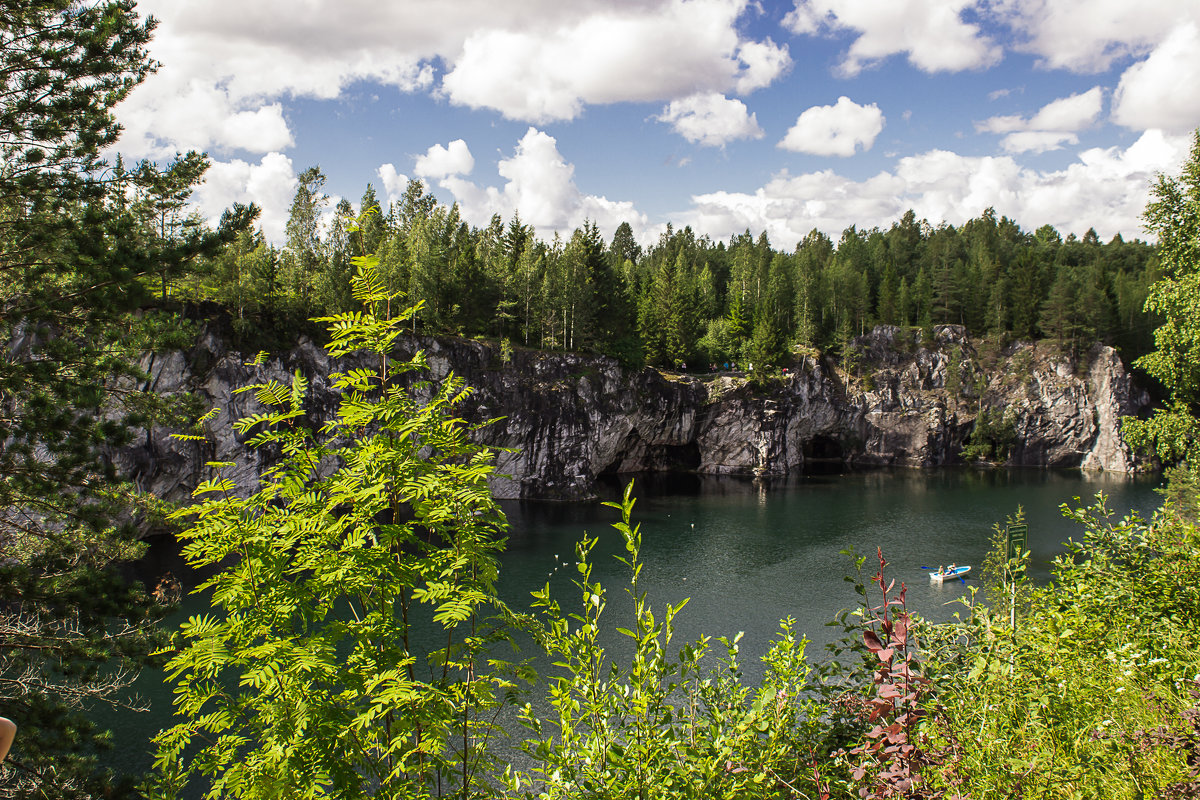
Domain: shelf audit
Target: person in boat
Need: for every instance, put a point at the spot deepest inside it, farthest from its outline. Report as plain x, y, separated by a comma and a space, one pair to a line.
941, 570
950, 569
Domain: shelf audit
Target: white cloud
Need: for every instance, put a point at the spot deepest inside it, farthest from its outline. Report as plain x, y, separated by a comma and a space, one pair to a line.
931, 32
394, 182
540, 186
1037, 141
1160, 92
1069, 113
196, 115
711, 119
643, 52
1090, 35
256, 131
227, 62
764, 62
441, 162
1105, 189
271, 184
1051, 127
836, 130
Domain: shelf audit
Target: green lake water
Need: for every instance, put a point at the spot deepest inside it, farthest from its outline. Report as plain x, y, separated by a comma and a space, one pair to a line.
749, 554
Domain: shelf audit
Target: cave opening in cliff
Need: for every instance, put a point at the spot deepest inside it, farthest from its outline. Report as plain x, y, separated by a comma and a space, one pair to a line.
823, 454
639, 456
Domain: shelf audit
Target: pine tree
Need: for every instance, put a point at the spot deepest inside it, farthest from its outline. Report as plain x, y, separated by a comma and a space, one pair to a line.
1027, 294
75, 257
610, 310
737, 318
812, 256
780, 298
331, 281
888, 309
161, 197
428, 268
997, 307
905, 303
922, 303
667, 318
624, 246
767, 345
906, 243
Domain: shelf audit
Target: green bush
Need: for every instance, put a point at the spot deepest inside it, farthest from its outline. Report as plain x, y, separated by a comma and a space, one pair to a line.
993, 436
370, 535
659, 726
1087, 694
379, 528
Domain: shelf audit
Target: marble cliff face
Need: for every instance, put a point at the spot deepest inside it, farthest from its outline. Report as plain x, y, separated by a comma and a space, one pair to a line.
568, 418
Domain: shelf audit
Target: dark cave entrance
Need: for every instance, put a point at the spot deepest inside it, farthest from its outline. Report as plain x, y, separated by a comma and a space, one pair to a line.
638, 456
823, 454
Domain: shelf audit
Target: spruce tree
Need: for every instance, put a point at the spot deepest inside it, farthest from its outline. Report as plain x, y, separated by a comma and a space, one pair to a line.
812, 256
887, 308
371, 224
624, 246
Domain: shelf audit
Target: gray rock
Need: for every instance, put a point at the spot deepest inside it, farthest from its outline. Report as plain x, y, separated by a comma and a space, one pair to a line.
566, 418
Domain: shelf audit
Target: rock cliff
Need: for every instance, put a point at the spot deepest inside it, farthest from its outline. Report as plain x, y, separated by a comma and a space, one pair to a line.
568, 418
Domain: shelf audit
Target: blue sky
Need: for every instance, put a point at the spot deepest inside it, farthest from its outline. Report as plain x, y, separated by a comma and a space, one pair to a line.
720, 114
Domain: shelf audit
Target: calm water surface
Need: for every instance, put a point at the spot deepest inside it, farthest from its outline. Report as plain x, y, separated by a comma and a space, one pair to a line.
750, 554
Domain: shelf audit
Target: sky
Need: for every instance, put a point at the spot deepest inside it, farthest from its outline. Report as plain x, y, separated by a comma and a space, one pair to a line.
725, 115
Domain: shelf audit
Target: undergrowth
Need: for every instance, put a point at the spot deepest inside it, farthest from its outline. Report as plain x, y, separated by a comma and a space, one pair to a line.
1084, 688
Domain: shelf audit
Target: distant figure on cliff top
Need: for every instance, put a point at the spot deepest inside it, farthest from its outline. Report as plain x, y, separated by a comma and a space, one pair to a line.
8, 731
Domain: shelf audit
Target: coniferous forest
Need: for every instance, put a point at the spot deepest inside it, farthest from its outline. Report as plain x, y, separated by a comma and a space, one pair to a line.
353, 645
683, 299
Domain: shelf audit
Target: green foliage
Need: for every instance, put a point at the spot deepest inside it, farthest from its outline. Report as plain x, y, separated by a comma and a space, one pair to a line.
663, 727
1182, 492
1173, 433
1004, 578
954, 359
1082, 688
1063, 702
667, 315
348, 655
663, 304
158, 331
993, 436
81, 244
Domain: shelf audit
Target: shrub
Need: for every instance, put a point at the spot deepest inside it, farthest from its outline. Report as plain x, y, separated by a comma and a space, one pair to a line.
370, 535
659, 726
1062, 702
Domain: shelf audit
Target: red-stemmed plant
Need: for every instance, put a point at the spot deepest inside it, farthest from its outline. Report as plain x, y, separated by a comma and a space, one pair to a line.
894, 755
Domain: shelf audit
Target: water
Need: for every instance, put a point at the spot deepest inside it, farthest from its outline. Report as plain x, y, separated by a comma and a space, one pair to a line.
750, 554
